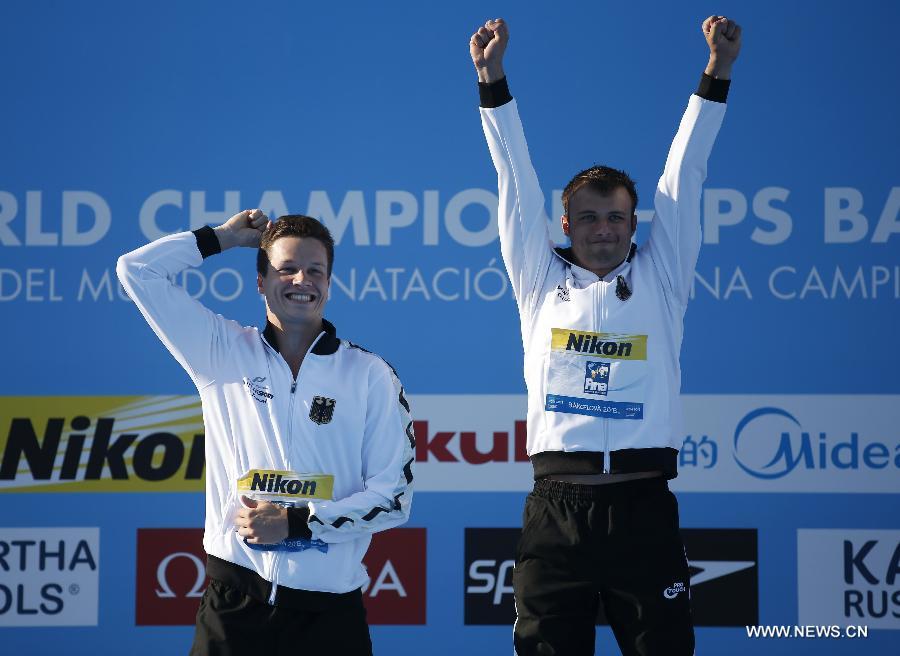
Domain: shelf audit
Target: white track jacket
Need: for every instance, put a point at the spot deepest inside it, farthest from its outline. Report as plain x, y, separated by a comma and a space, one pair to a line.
602, 355
338, 438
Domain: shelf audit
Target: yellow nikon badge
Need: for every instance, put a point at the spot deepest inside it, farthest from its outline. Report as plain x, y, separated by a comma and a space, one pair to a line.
285, 487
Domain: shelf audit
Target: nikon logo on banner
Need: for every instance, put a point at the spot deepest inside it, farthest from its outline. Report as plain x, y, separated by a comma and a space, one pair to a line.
101, 444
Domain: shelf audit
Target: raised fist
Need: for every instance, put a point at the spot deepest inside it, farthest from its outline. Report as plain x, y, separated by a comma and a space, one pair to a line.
723, 36
243, 229
487, 46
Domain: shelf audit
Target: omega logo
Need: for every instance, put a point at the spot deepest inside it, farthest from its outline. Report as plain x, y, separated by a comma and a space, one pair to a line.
166, 591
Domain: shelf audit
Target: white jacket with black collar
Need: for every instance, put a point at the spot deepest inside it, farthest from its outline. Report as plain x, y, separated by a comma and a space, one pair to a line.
337, 442
602, 355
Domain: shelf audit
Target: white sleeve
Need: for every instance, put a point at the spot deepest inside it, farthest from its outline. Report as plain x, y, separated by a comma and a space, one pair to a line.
521, 217
388, 455
675, 238
195, 335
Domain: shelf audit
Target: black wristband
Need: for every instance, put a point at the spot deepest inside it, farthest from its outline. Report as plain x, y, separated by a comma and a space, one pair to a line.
712, 89
207, 241
494, 94
297, 523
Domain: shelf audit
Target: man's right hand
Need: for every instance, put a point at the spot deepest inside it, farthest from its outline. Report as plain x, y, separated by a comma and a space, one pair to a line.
487, 46
243, 229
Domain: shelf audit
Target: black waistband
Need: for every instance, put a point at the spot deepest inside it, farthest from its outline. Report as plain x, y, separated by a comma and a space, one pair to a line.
255, 586
623, 461
561, 490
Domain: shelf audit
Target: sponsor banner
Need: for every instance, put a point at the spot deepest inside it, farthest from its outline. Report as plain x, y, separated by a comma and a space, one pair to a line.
396, 591
724, 568
790, 443
171, 576
101, 444
731, 443
849, 577
723, 565
50, 576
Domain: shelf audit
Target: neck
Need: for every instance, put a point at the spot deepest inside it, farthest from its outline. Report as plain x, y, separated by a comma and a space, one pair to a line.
599, 270
294, 340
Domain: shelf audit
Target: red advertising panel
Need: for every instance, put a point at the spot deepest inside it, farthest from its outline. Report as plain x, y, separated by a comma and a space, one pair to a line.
396, 590
171, 576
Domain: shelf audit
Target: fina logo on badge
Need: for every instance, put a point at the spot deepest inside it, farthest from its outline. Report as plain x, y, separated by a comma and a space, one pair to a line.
596, 378
321, 410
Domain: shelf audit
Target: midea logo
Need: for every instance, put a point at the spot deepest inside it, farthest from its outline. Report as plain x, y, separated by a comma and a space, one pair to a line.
770, 443
166, 591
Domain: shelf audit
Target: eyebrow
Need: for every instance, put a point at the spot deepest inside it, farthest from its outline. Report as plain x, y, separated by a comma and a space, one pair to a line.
315, 263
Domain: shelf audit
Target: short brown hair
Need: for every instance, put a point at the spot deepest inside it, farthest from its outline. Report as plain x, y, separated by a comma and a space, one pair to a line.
603, 179
294, 225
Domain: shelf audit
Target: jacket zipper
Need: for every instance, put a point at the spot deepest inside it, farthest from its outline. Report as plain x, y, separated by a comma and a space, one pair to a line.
601, 287
276, 557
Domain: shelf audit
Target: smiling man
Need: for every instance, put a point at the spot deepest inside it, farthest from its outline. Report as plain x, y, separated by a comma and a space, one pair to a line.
602, 325
309, 442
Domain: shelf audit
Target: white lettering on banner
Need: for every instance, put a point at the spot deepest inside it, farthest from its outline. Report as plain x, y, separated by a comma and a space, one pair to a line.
401, 284
72, 202
736, 283
387, 579
786, 283
849, 576
455, 284
36, 285
397, 211
846, 224
352, 211
496, 584
728, 207
732, 443
222, 284
50, 576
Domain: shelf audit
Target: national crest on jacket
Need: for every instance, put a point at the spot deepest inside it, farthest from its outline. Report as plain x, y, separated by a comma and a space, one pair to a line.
321, 410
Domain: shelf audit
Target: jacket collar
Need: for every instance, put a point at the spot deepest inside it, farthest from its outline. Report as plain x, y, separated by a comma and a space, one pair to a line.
326, 344
566, 255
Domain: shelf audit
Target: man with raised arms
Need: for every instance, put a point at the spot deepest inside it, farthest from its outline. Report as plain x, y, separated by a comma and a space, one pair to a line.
309, 442
602, 325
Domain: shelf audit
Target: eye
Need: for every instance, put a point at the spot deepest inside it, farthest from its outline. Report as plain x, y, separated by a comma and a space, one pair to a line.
587, 217
616, 218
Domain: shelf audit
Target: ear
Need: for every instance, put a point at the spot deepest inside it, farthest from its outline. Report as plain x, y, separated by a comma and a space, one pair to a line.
564, 222
633, 224
259, 283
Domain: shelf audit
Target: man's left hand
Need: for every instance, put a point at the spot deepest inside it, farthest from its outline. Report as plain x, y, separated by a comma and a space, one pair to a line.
261, 522
723, 36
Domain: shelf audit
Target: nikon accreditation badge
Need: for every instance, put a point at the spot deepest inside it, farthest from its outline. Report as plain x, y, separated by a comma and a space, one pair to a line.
289, 489
597, 374
285, 487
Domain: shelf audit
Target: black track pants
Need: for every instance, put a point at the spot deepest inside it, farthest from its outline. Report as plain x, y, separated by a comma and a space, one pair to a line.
617, 543
231, 622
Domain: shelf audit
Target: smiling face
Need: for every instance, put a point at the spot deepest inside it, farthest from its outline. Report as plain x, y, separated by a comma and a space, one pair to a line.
296, 281
600, 227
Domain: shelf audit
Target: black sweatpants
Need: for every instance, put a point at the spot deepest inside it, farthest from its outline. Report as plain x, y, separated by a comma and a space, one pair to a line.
618, 543
231, 622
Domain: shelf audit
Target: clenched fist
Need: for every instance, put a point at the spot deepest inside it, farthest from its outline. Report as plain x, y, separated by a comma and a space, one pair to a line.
243, 229
487, 46
723, 36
